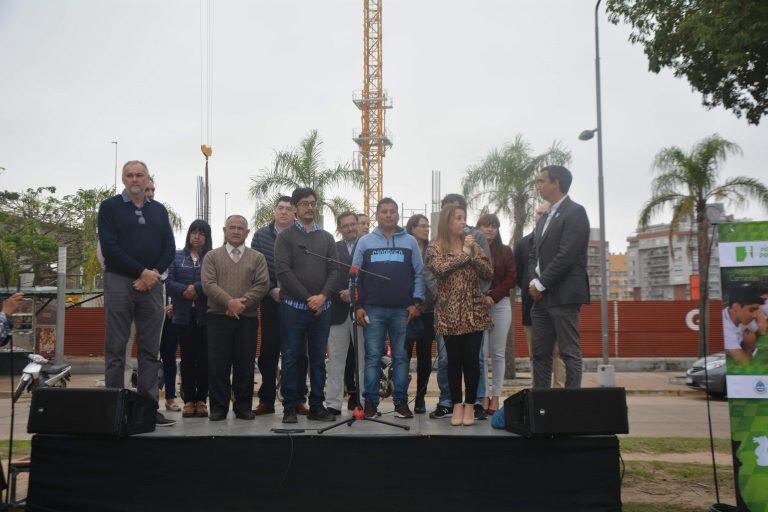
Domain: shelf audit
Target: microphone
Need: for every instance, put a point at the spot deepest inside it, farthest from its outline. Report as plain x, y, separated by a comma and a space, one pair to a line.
303, 248
467, 250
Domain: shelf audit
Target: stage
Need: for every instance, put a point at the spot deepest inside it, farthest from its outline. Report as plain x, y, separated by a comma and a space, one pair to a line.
237, 465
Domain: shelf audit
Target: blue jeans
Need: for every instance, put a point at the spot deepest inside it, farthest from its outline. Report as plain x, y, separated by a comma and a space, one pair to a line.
442, 373
482, 385
385, 321
297, 327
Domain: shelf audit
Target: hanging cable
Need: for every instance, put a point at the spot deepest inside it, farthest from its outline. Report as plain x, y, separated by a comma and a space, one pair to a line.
206, 96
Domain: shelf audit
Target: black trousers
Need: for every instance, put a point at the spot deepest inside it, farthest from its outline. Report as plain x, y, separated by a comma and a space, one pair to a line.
349, 370
423, 351
464, 358
231, 348
269, 355
193, 341
168, 344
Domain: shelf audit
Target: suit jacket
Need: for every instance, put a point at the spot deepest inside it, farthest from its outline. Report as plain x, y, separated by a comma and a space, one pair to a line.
339, 308
561, 252
522, 251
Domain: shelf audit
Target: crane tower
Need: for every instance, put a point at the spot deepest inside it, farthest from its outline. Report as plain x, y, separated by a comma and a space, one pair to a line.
373, 139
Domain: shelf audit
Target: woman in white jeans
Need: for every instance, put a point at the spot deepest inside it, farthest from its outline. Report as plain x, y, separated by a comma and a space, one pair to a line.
501, 309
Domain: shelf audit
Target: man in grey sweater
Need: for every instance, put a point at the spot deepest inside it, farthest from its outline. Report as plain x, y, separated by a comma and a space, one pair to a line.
306, 283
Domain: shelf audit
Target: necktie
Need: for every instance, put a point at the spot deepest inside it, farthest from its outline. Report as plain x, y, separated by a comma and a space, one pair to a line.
235, 254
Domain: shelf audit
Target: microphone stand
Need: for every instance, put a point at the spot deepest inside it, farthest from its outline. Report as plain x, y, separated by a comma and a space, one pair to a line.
357, 414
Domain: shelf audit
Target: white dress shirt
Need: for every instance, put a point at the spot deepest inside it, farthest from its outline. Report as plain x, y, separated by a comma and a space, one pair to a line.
551, 214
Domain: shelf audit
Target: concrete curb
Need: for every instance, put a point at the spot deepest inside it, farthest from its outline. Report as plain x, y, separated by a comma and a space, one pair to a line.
522, 365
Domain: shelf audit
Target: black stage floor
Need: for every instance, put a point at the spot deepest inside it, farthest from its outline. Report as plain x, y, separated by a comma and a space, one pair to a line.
237, 465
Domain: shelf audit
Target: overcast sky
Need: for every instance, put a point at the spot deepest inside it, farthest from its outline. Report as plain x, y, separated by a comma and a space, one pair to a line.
465, 77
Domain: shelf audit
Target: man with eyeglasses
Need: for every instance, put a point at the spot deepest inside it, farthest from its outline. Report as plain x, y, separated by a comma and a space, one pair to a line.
264, 242
307, 283
137, 242
341, 321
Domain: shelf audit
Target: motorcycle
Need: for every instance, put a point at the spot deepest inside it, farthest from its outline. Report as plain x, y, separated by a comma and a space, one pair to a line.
39, 373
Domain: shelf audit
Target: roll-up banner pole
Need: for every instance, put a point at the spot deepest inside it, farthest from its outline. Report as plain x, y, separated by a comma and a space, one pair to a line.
743, 250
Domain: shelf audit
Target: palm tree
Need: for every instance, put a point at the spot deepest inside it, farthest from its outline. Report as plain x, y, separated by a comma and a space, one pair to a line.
686, 182
301, 167
506, 181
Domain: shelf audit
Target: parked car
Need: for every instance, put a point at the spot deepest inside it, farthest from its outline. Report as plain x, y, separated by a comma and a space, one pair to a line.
696, 377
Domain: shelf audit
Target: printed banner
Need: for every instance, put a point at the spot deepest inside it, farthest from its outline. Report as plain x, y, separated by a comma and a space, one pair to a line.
743, 251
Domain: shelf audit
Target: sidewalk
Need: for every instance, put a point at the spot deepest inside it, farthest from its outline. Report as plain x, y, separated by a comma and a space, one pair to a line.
636, 383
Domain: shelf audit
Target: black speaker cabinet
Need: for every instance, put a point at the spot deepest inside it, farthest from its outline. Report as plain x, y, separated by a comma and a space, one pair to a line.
106, 411
551, 412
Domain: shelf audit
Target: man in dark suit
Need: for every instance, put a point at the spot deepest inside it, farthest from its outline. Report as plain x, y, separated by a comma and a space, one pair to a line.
557, 267
341, 322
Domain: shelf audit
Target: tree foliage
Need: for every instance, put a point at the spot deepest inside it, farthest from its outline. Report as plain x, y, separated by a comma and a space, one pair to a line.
686, 182
505, 181
35, 222
719, 46
301, 167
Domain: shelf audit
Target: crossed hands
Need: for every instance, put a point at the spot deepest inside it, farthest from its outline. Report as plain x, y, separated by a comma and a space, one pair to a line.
315, 303
147, 280
190, 293
235, 307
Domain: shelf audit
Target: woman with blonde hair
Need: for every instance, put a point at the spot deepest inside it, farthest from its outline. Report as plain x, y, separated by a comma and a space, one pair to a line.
459, 264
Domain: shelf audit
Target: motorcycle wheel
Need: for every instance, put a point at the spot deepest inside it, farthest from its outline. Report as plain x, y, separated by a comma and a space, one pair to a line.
20, 387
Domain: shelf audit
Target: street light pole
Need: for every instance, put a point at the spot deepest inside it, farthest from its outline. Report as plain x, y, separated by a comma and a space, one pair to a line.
605, 371
225, 206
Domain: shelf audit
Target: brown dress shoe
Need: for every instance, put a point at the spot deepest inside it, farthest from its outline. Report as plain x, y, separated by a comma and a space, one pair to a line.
201, 411
302, 409
189, 410
264, 409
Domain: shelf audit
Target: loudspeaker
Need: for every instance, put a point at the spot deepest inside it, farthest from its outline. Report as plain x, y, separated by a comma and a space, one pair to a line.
551, 412
106, 411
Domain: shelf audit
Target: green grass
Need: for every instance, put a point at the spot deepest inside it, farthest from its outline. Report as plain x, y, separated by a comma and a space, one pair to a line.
673, 475
21, 447
672, 444
657, 469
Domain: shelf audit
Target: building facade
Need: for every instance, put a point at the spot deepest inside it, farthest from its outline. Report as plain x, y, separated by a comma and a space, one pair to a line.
618, 278
660, 266
593, 264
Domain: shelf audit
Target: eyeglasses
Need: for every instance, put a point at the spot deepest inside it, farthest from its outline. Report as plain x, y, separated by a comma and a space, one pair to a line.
423, 226
140, 215
307, 204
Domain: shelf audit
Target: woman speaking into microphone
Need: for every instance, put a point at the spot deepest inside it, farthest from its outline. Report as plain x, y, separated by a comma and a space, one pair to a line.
459, 264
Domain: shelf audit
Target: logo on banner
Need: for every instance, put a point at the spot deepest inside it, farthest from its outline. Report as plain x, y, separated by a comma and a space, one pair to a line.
743, 254
761, 452
760, 387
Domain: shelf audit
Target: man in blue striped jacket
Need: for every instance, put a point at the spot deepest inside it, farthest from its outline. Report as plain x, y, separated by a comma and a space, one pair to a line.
386, 306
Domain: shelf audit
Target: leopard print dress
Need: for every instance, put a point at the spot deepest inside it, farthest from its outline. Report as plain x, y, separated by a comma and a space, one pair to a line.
459, 308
